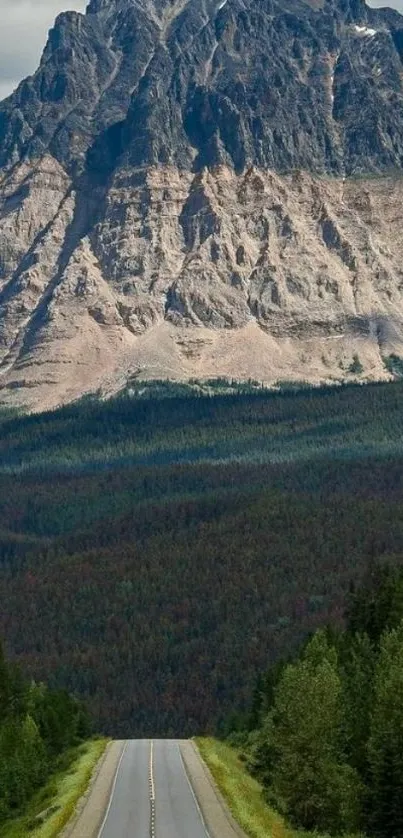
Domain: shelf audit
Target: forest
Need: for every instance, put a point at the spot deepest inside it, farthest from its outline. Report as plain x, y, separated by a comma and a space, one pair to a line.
160, 549
324, 731
37, 725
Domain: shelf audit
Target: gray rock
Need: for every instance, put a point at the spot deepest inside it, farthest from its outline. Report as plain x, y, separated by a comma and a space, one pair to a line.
194, 188
284, 85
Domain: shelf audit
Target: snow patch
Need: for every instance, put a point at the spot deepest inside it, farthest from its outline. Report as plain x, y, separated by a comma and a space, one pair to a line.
221, 6
365, 31
333, 65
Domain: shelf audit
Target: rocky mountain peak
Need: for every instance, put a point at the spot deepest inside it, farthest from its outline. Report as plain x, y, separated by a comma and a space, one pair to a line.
205, 82
201, 187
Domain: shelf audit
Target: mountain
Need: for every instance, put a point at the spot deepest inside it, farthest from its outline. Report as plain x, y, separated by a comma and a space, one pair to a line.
202, 188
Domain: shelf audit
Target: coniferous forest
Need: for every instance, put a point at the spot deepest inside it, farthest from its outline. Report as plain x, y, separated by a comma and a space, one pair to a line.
37, 725
324, 732
160, 549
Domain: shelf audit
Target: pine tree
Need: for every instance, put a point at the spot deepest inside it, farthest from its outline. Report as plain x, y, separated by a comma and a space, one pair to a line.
36, 724
5, 687
311, 782
385, 746
378, 604
357, 671
255, 716
33, 754
23, 764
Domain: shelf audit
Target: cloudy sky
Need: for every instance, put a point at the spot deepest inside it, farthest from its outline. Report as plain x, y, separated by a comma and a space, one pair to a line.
23, 30
24, 25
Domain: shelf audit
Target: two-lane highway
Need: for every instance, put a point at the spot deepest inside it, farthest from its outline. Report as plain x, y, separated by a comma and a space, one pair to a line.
151, 796
152, 789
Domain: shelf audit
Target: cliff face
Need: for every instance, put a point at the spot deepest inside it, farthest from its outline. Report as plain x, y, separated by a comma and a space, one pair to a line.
202, 188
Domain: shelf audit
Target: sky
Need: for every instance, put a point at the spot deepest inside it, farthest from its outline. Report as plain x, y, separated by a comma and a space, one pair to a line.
23, 31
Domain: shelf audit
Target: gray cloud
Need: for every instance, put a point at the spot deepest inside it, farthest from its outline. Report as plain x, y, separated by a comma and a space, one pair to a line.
378, 4
24, 25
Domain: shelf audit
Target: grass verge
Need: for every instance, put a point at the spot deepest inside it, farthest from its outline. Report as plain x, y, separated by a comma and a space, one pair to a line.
53, 805
243, 793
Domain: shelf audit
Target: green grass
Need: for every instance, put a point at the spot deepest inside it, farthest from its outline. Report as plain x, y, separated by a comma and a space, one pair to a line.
243, 793
57, 800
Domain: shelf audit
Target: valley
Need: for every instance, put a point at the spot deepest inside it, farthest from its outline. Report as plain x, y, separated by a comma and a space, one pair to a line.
164, 547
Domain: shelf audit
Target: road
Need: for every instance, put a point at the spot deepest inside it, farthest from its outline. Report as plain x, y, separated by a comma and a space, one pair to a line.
153, 789
152, 797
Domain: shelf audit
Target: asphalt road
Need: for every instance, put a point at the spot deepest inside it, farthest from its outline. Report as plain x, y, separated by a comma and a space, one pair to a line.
152, 796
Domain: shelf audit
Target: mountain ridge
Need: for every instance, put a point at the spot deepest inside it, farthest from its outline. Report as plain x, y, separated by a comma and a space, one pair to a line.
135, 50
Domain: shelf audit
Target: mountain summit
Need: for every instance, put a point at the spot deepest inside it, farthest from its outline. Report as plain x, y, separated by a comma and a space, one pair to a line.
200, 188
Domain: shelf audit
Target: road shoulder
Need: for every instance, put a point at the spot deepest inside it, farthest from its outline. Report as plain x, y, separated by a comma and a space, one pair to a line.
216, 814
90, 811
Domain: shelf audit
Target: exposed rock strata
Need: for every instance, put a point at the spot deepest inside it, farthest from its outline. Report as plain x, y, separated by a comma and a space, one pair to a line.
187, 189
253, 275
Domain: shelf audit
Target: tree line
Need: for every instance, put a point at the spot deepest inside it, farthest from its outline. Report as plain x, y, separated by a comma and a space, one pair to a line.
324, 733
36, 726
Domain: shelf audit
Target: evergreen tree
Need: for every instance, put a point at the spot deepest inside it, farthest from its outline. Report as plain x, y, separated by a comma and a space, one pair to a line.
36, 724
385, 746
60, 718
23, 763
4, 685
311, 782
357, 672
255, 715
378, 604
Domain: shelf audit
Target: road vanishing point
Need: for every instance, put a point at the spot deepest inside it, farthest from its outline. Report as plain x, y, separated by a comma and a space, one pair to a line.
153, 788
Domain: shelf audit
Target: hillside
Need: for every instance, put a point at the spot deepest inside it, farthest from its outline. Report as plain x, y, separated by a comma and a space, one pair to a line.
165, 547
42, 735
198, 188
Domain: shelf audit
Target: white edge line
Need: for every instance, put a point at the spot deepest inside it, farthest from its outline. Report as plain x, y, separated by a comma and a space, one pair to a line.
108, 808
193, 793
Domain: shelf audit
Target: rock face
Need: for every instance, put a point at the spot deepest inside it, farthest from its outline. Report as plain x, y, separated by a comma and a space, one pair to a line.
202, 188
